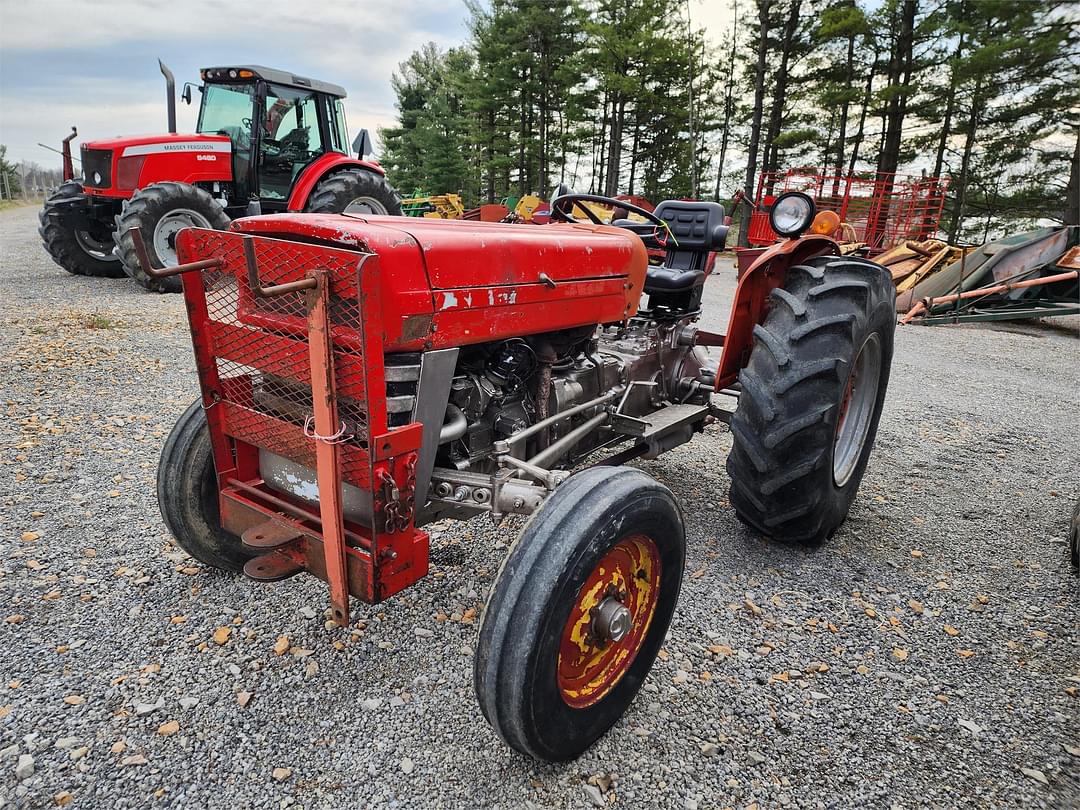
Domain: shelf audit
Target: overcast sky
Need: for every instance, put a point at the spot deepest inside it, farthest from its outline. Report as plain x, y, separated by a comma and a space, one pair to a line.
94, 64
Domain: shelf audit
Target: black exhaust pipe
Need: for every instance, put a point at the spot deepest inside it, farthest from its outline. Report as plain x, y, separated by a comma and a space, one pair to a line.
170, 94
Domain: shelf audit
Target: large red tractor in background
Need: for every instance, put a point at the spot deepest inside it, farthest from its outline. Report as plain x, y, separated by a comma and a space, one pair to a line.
267, 141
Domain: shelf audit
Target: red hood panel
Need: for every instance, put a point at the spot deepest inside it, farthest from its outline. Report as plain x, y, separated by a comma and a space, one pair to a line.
460, 253
456, 282
166, 140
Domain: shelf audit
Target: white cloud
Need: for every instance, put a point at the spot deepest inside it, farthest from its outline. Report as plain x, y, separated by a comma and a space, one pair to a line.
92, 64
99, 73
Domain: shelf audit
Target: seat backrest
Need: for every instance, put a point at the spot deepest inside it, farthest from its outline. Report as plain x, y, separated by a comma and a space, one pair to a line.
697, 227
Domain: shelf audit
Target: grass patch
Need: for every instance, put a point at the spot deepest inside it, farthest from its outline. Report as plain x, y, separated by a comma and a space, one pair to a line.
6, 204
96, 321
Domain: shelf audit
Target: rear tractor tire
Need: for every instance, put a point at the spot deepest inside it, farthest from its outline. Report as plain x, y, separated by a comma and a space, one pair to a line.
161, 211
188, 495
578, 612
811, 398
354, 191
81, 253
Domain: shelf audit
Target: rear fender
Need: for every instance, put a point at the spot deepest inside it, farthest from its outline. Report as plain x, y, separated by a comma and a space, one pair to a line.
310, 177
752, 297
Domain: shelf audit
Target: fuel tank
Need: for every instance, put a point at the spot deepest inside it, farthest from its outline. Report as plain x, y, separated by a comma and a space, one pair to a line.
451, 283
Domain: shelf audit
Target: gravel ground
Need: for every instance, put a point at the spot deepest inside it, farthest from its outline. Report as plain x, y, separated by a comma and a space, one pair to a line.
929, 655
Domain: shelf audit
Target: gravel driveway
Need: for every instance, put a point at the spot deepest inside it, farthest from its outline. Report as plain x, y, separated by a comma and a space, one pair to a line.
928, 655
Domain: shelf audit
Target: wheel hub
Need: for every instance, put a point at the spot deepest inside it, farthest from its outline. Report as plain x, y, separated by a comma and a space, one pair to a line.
99, 245
612, 621
365, 205
856, 410
608, 621
166, 229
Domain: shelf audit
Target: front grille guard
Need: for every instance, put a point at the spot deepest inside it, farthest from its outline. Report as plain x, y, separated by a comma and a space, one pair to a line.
288, 344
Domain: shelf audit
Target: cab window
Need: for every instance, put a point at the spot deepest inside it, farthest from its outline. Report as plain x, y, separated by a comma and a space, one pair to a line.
226, 110
290, 139
338, 130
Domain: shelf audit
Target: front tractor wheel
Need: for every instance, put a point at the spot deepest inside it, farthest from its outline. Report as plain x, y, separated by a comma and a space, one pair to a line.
354, 191
579, 611
161, 211
811, 398
188, 495
82, 252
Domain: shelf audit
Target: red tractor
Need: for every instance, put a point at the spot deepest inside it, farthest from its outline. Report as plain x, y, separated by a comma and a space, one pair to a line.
266, 141
363, 376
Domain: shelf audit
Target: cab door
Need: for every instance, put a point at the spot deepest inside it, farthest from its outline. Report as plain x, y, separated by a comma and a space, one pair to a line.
291, 137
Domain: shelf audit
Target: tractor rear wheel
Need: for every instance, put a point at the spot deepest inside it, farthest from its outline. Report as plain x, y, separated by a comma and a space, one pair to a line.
578, 612
87, 252
354, 191
188, 494
161, 211
811, 398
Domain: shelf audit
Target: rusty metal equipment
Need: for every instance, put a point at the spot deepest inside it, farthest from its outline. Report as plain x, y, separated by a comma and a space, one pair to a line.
1027, 275
363, 376
882, 209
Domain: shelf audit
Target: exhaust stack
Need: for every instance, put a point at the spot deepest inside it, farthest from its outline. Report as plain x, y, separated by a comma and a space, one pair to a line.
170, 95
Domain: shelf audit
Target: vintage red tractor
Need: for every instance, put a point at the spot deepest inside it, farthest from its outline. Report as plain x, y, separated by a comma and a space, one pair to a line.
266, 141
363, 376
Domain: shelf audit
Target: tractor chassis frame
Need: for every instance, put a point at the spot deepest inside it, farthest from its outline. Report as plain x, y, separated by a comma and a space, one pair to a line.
288, 534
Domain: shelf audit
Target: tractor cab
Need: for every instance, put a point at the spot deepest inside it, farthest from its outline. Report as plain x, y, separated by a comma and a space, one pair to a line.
267, 141
278, 124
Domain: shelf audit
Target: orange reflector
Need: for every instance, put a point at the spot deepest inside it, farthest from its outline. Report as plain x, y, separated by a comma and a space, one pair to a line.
826, 222
246, 74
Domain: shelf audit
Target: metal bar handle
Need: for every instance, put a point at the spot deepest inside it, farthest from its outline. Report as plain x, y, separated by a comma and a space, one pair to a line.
259, 291
164, 272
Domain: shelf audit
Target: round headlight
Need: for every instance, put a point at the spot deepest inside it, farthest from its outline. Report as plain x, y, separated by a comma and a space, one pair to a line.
792, 213
97, 178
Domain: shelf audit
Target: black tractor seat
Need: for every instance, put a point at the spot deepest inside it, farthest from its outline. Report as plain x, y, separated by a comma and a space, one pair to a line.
659, 278
696, 229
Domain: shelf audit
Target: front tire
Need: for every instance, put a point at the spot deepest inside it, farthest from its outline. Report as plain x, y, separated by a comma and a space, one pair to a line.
579, 611
812, 393
161, 211
188, 494
81, 253
356, 191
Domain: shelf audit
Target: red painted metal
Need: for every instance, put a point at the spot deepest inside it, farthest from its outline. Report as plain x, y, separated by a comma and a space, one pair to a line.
269, 367
317, 170
160, 158
751, 304
458, 282
884, 209
299, 373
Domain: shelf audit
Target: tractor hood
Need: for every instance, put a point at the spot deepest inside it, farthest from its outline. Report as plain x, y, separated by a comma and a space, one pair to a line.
455, 282
165, 143
115, 167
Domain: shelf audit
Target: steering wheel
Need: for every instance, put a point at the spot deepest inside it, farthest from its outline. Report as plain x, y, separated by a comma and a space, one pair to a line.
562, 206
247, 123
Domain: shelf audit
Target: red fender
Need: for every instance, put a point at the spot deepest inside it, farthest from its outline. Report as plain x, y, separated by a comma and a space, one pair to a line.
309, 177
752, 297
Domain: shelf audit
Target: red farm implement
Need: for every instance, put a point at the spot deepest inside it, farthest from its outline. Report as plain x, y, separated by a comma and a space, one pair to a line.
363, 376
882, 209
